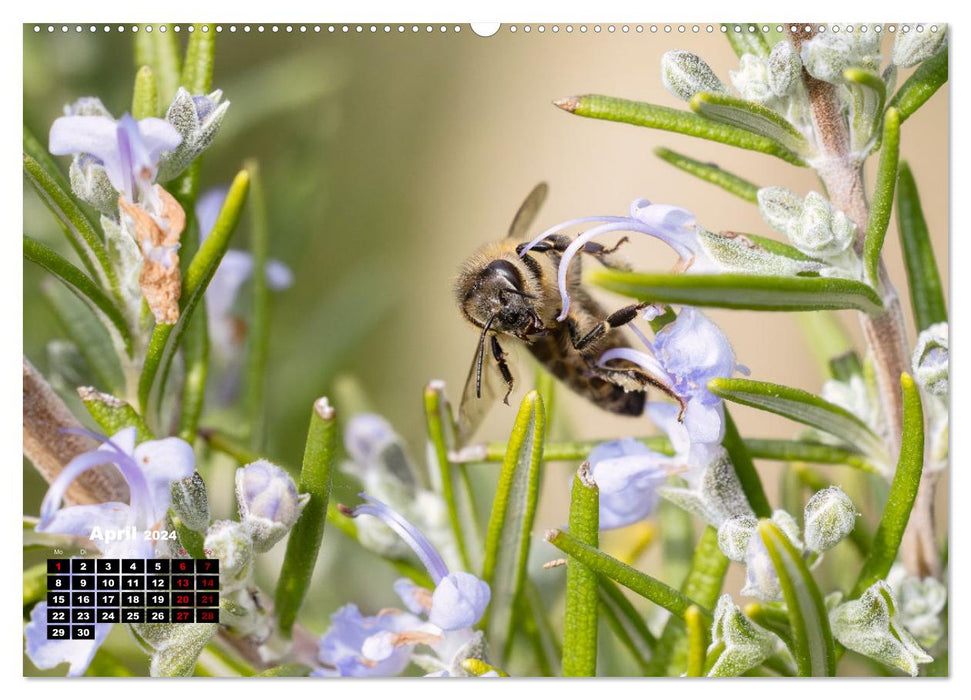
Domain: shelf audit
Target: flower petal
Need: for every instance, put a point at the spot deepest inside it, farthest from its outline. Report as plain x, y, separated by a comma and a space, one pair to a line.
47, 653
628, 486
459, 601
162, 462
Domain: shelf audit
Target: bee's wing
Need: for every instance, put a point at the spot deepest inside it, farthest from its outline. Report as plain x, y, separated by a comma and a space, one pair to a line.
481, 392
528, 211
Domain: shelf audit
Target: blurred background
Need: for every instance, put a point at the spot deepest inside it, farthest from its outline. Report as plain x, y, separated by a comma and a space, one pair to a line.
388, 158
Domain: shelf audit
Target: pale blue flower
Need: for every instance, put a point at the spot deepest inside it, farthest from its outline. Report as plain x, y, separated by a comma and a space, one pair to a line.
687, 353
627, 474
382, 645
129, 150
149, 469
47, 653
269, 504
673, 225
235, 268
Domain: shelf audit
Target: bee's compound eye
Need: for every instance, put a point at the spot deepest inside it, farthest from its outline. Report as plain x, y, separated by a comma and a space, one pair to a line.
507, 271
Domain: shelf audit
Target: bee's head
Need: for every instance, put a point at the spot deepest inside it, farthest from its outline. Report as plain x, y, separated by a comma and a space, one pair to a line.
495, 296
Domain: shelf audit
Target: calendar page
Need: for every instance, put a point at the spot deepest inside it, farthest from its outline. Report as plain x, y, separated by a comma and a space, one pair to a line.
542, 349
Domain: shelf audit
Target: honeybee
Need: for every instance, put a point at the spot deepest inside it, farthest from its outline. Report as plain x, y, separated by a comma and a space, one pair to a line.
508, 294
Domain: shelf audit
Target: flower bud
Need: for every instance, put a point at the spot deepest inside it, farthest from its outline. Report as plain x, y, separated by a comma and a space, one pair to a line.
230, 543
379, 452
459, 601
177, 655
745, 644
919, 605
87, 107
827, 55
788, 525
821, 230
829, 517
90, 183
197, 118
761, 579
917, 44
190, 502
779, 207
871, 626
684, 75
734, 535
752, 79
268, 502
784, 69
931, 360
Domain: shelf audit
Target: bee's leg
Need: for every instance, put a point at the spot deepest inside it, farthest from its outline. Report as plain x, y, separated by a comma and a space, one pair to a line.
559, 243
500, 357
636, 379
618, 318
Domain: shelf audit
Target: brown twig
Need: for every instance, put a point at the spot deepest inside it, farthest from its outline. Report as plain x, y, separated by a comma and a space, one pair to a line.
841, 173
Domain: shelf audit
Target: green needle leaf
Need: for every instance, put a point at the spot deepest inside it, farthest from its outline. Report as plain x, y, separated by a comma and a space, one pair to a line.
697, 642
709, 172
112, 414
926, 291
82, 286
921, 85
738, 291
745, 470
627, 624
316, 475
751, 117
582, 594
77, 228
88, 334
812, 640
160, 52
508, 534
605, 565
437, 416
258, 338
802, 407
667, 119
702, 583
199, 58
748, 39
903, 491
879, 219
868, 93
145, 96
194, 283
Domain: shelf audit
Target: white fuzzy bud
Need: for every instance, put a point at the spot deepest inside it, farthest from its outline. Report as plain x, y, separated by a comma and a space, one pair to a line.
190, 502
734, 535
912, 46
829, 517
871, 626
230, 543
779, 207
761, 579
269, 504
752, 79
827, 55
90, 183
931, 360
919, 604
788, 525
684, 75
821, 230
784, 69
745, 644
197, 118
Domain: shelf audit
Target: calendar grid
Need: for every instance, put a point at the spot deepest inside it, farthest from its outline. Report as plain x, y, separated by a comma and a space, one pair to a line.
84, 592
